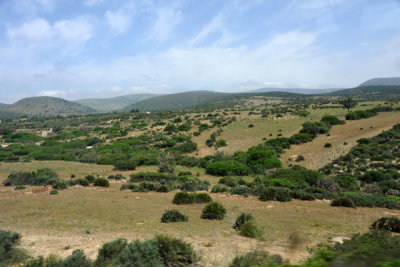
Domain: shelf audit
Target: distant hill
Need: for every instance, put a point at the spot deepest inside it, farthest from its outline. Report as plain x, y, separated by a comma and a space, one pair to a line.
369, 92
297, 90
3, 105
196, 99
115, 103
44, 106
382, 81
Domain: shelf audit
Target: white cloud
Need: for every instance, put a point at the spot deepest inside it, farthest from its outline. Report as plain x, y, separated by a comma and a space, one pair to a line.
53, 93
67, 35
118, 20
167, 20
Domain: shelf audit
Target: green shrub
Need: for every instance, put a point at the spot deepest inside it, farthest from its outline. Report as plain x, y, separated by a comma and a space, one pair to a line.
202, 198
220, 188
82, 182
90, 178
327, 145
387, 223
213, 211
59, 185
225, 168
77, 259
151, 176
101, 182
268, 194
175, 252
54, 192
125, 165
137, 253
332, 120
110, 251
283, 195
40, 177
241, 219
183, 198
241, 190
301, 138
173, 216
373, 176
307, 197
256, 258
19, 187
315, 128
8, 253
343, 202
251, 229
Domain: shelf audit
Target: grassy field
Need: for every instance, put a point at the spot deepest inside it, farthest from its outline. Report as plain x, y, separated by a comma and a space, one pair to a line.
58, 224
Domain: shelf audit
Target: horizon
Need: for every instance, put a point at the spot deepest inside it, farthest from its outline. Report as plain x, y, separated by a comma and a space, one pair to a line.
100, 49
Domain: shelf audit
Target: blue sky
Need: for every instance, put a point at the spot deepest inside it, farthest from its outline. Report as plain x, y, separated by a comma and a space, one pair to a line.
101, 48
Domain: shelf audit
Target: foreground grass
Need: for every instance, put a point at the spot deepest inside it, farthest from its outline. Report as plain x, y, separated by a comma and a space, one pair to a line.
58, 224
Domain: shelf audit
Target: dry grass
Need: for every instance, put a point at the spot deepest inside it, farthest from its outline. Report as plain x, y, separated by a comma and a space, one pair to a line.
49, 223
316, 156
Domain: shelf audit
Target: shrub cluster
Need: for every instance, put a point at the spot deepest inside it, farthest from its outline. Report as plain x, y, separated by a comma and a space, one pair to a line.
173, 216
213, 211
181, 198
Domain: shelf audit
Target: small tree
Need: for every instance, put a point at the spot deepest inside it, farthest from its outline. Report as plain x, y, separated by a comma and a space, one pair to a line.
348, 103
166, 163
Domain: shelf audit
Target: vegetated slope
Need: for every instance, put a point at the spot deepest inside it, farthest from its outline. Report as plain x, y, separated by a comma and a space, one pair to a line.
369, 92
47, 106
297, 90
196, 99
114, 103
382, 81
6, 114
3, 105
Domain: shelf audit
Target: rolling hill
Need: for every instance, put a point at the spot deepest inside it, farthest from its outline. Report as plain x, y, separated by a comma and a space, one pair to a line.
296, 90
45, 106
3, 105
369, 92
382, 81
114, 103
197, 99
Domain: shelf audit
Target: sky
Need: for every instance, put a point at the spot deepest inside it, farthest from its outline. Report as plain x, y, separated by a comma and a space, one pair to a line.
101, 48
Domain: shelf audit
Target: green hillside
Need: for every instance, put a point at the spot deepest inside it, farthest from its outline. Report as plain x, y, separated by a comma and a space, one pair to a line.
369, 92
47, 106
115, 103
3, 105
197, 99
382, 81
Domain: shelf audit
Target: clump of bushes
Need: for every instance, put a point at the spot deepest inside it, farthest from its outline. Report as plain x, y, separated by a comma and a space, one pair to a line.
220, 188
9, 254
332, 120
275, 194
387, 223
225, 168
256, 258
173, 216
213, 211
327, 145
39, 177
241, 190
181, 198
360, 114
54, 192
343, 202
90, 178
102, 182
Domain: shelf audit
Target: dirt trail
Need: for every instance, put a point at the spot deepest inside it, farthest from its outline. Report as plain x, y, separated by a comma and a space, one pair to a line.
316, 155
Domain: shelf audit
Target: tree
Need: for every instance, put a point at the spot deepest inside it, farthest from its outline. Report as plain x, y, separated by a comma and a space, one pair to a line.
348, 103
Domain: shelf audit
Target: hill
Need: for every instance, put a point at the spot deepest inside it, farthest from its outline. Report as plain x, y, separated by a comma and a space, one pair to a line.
3, 105
369, 92
382, 81
297, 90
114, 103
197, 99
44, 106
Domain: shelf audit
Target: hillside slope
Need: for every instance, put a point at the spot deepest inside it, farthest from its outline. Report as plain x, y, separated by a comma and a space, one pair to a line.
196, 99
382, 81
3, 105
369, 92
114, 103
47, 106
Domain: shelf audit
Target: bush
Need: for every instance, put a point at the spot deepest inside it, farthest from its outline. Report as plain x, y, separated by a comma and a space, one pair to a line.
82, 182
251, 229
225, 168
373, 176
283, 195
387, 223
315, 128
256, 258
60, 185
77, 259
241, 190
268, 194
40, 177
125, 165
220, 188
213, 211
137, 253
175, 252
241, 219
110, 251
343, 202
19, 187
332, 120
54, 192
8, 253
173, 216
307, 197
183, 198
202, 198
327, 145
101, 182
90, 178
